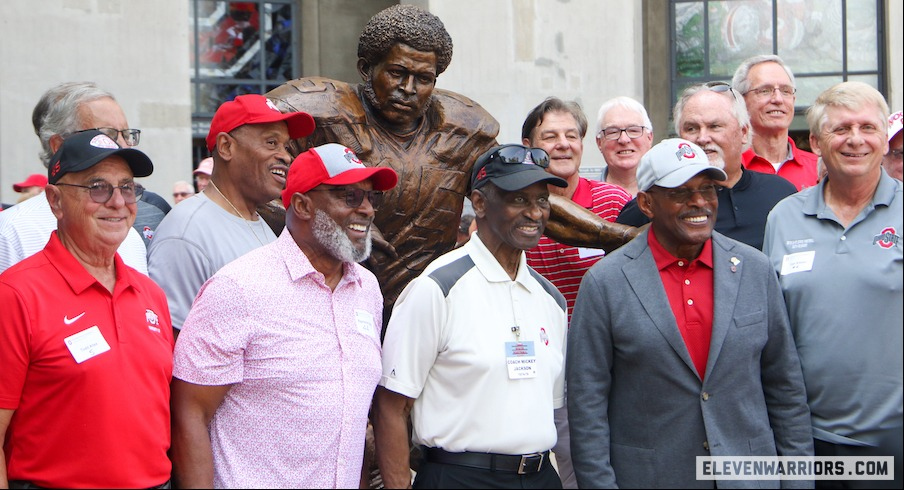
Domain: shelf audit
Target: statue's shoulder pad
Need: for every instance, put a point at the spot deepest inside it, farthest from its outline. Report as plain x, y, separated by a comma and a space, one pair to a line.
456, 101
318, 96
457, 107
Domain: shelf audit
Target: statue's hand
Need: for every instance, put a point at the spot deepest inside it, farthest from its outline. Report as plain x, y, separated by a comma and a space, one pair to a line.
274, 214
573, 225
380, 245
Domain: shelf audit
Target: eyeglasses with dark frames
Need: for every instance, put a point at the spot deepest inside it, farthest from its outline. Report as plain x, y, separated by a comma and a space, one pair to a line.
786, 91
101, 192
355, 196
517, 154
681, 195
130, 136
613, 133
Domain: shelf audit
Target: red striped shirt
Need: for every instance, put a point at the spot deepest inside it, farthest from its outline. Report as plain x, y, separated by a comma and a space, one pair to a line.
564, 265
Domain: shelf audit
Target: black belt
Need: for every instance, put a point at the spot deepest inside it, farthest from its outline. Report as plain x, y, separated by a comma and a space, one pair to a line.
521, 464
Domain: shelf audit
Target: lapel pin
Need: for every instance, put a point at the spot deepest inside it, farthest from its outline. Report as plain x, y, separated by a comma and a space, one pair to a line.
734, 263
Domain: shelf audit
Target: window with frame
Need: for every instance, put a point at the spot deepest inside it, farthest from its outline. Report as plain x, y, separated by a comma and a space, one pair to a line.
238, 48
824, 42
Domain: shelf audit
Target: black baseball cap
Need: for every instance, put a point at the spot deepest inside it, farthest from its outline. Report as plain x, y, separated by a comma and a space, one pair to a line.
85, 149
513, 167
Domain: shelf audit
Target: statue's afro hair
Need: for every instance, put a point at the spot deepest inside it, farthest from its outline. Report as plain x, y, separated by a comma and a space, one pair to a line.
406, 24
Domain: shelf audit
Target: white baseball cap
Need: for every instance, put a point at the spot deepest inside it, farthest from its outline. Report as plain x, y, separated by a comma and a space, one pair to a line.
672, 162
894, 124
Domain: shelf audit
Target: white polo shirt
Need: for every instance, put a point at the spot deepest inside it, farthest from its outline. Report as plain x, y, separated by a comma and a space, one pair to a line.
447, 346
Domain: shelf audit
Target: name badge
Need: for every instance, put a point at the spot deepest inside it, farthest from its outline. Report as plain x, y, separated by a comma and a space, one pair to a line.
799, 262
586, 253
86, 344
364, 321
521, 360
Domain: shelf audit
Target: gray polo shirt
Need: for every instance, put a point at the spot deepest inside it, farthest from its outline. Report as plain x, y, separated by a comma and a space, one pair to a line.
843, 288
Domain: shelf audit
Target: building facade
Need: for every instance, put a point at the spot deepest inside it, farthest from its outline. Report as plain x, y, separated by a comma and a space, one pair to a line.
171, 62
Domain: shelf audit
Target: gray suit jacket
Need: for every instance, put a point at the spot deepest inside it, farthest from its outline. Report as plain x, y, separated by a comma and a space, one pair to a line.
638, 411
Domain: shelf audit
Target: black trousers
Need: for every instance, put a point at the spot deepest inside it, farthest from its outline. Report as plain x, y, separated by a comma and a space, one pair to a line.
438, 475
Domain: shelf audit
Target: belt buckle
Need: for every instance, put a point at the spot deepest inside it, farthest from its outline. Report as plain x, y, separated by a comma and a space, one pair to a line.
528, 459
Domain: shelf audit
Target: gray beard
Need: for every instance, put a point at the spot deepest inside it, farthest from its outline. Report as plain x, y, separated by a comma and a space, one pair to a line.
330, 235
720, 159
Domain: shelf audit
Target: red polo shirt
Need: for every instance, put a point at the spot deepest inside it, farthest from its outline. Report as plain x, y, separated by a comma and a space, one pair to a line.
99, 423
689, 287
801, 169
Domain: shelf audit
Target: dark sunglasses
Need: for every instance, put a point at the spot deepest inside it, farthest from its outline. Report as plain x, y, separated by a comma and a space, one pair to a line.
101, 192
519, 154
355, 196
681, 195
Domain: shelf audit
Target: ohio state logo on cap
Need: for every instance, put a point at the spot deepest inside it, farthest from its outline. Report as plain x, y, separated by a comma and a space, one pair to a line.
481, 174
103, 141
351, 157
685, 150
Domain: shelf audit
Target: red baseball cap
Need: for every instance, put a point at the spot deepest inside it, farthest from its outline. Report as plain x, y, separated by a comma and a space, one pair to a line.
33, 180
255, 109
333, 164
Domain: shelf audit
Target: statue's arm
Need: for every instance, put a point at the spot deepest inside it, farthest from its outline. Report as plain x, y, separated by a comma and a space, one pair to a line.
574, 225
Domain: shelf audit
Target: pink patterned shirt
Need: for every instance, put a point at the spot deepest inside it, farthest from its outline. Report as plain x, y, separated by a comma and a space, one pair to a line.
304, 362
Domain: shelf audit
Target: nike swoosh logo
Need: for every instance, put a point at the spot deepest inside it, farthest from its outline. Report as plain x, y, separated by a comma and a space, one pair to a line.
70, 321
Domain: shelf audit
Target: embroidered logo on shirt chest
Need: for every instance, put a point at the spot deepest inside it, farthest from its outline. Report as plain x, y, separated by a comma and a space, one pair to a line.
153, 320
70, 321
888, 238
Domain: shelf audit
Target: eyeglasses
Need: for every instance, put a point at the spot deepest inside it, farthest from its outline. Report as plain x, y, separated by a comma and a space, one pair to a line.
763, 92
517, 154
130, 136
101, 192
718, 87
681, 195
614, 133
182, 194
896, 154
355, 196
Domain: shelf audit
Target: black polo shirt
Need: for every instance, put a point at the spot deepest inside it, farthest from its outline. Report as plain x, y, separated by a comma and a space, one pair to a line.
742, 209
